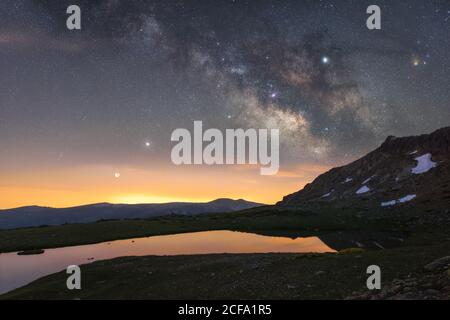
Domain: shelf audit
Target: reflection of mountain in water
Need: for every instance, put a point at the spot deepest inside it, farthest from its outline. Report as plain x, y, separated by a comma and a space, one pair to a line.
365, 240
346, 239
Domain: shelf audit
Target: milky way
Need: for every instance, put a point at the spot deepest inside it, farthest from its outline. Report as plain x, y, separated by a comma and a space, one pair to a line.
138, 69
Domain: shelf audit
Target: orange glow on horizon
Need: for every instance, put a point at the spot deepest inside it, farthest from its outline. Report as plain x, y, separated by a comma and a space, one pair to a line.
65, 187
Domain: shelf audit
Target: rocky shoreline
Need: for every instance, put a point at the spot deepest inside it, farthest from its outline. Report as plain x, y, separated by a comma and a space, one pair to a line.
432, 284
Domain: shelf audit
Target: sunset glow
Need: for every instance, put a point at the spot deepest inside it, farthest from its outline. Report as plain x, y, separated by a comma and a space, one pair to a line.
63, 187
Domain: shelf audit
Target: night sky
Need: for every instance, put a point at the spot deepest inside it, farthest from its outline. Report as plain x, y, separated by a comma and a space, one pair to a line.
86, 115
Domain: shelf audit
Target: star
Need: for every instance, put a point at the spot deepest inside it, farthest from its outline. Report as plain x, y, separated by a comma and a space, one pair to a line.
116, 175
147, 144
416, 61
325, 60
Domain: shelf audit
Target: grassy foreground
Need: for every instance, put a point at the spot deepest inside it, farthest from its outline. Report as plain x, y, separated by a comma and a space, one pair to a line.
234, 276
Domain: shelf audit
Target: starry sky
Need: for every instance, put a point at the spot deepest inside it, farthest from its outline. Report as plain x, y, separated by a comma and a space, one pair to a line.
86, 115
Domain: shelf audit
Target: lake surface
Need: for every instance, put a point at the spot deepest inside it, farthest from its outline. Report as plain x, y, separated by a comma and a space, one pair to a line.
17, 271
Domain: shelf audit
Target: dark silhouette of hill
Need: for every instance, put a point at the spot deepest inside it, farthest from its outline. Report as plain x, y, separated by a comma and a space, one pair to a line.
401, 172
33, 216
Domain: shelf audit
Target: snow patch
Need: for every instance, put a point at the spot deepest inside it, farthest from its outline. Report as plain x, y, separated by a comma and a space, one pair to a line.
401, 200
407, 198
358, 244
363, 189
326, 194
367, 180
378, 245
348, 180
389, 203
424, 164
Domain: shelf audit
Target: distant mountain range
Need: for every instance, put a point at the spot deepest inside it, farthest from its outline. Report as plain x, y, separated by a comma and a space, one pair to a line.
401, 172
34, 216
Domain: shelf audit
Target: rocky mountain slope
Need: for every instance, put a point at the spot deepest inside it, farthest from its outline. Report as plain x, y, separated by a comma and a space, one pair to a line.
37, 216
402, 171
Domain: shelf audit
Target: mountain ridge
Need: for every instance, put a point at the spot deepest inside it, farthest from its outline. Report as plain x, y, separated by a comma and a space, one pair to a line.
401, 170
33, 216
